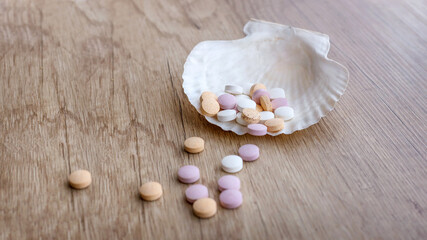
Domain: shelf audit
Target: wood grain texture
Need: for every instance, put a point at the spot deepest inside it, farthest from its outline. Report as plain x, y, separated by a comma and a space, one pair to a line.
97, 85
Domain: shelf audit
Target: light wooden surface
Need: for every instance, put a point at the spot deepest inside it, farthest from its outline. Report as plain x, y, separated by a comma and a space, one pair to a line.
97, 85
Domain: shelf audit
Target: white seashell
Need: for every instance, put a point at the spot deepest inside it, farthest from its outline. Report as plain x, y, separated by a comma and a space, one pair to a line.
246, 87
276, 55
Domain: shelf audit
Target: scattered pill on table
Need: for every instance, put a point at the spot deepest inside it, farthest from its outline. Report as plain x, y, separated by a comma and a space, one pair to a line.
245, 103
188, 174
204, 208
249, 152
195, 192
277, 93
279, 102
80, 179
240, 120
226, 115
233, 89
266, 103
151, 191
227, 101
232, 163
257, 129
210, 107
194, 144
264, 116
255, 87
228, 182
231, 199
206, 95
275, 124
251, 115
285, 113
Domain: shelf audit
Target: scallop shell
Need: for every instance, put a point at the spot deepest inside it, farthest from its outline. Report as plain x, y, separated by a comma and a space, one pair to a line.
277, 56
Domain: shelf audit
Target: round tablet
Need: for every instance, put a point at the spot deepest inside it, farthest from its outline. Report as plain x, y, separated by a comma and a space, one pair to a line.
205, 95
188, 174
242, 96
255, 87
265, 115
194, 144
210, 107
233, 89
259, 108
204, 208
277, 93
195, 192
258, 93
285, 113
151, 191
240, 120
227, 101
80, 179
231, 199
275, 124
249, 152
257, 129
250, 115
228, 182
232, 163
226, 115
265, 103
245, 103
279, 102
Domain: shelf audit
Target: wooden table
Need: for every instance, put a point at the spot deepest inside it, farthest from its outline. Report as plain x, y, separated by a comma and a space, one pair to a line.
97, 85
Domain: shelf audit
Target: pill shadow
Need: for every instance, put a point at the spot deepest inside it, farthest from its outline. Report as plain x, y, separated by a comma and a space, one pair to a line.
67, 185
138, 198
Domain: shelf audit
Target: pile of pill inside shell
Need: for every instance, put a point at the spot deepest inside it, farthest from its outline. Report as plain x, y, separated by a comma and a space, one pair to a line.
261, 110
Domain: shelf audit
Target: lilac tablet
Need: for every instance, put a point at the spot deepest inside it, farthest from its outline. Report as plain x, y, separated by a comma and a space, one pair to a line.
195, 192
279, 102
257, 129
188, 174
227, 101
249, 152
228, 182
258, 93
231, 199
